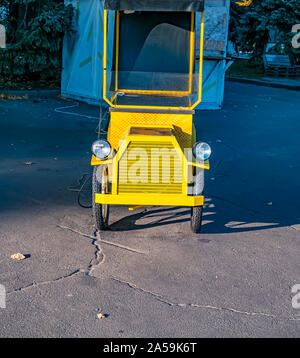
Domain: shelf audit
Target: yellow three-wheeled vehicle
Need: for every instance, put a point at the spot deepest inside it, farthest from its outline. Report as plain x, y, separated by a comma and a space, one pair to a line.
152, 84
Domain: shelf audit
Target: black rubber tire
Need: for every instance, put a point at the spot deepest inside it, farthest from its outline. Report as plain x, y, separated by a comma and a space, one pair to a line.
100, 212
197, 211
196, 219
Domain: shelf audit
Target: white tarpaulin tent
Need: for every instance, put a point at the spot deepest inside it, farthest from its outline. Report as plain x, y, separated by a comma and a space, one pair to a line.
82, 53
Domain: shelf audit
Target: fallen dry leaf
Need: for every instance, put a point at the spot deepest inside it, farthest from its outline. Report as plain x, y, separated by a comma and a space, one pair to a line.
18, 257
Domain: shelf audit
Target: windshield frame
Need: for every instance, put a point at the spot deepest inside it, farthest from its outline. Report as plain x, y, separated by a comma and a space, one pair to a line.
147, 92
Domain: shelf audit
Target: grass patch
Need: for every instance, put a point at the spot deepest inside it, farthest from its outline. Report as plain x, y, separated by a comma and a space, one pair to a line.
246, 69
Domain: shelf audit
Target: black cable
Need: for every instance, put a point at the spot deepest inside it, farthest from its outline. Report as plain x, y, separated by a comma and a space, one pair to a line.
79, 192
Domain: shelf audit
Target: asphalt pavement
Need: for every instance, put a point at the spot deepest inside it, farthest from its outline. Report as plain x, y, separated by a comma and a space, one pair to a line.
149, 276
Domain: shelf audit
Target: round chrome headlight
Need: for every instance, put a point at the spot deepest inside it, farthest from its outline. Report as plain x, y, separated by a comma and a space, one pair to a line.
202, 151
101, 149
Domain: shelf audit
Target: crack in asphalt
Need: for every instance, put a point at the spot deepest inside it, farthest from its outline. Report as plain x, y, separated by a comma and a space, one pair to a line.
99, 255
99, 240
37, 284
195, 305
98, 259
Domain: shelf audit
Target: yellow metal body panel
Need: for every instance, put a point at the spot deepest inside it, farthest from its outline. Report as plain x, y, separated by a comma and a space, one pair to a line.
143, 200
139, 140
154, 177
121, 122
109, 162
96, 161
192, 52
144, 134
161, 180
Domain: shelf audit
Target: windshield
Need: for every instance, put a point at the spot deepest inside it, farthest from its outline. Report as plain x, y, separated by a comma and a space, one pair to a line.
153, 60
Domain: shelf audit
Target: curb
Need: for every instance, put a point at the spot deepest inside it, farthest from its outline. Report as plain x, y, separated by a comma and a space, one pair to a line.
263, 83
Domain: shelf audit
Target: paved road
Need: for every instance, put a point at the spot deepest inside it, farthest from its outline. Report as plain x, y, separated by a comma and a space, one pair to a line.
149, 275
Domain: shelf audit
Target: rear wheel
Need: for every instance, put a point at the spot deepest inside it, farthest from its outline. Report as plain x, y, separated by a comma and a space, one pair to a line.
196, 218
100, 186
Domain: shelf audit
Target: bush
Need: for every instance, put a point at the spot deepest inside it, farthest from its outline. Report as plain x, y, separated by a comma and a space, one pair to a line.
35, 29
250, 26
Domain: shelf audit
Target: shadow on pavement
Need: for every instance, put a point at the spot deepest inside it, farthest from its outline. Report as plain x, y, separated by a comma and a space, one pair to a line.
215, 221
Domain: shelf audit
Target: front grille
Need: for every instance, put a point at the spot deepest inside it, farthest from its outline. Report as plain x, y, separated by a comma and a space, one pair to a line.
150, 167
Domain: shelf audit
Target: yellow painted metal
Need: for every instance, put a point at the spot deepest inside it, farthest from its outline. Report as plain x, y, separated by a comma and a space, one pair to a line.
178, 134
161, 180
132, 208
171, 176
164, 93
192, 52
152, 107
121, 122
117, 48
200, 63
96, 161
147, 107
204, 165
151, 92
150, 199
105, 58
154, 177
104, 51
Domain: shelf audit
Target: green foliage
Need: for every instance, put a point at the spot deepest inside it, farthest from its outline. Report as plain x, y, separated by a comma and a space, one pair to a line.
250, 25
35, 30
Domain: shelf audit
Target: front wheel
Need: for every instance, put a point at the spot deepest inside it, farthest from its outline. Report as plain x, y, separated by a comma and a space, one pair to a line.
197, 211
100, 186
196, 218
